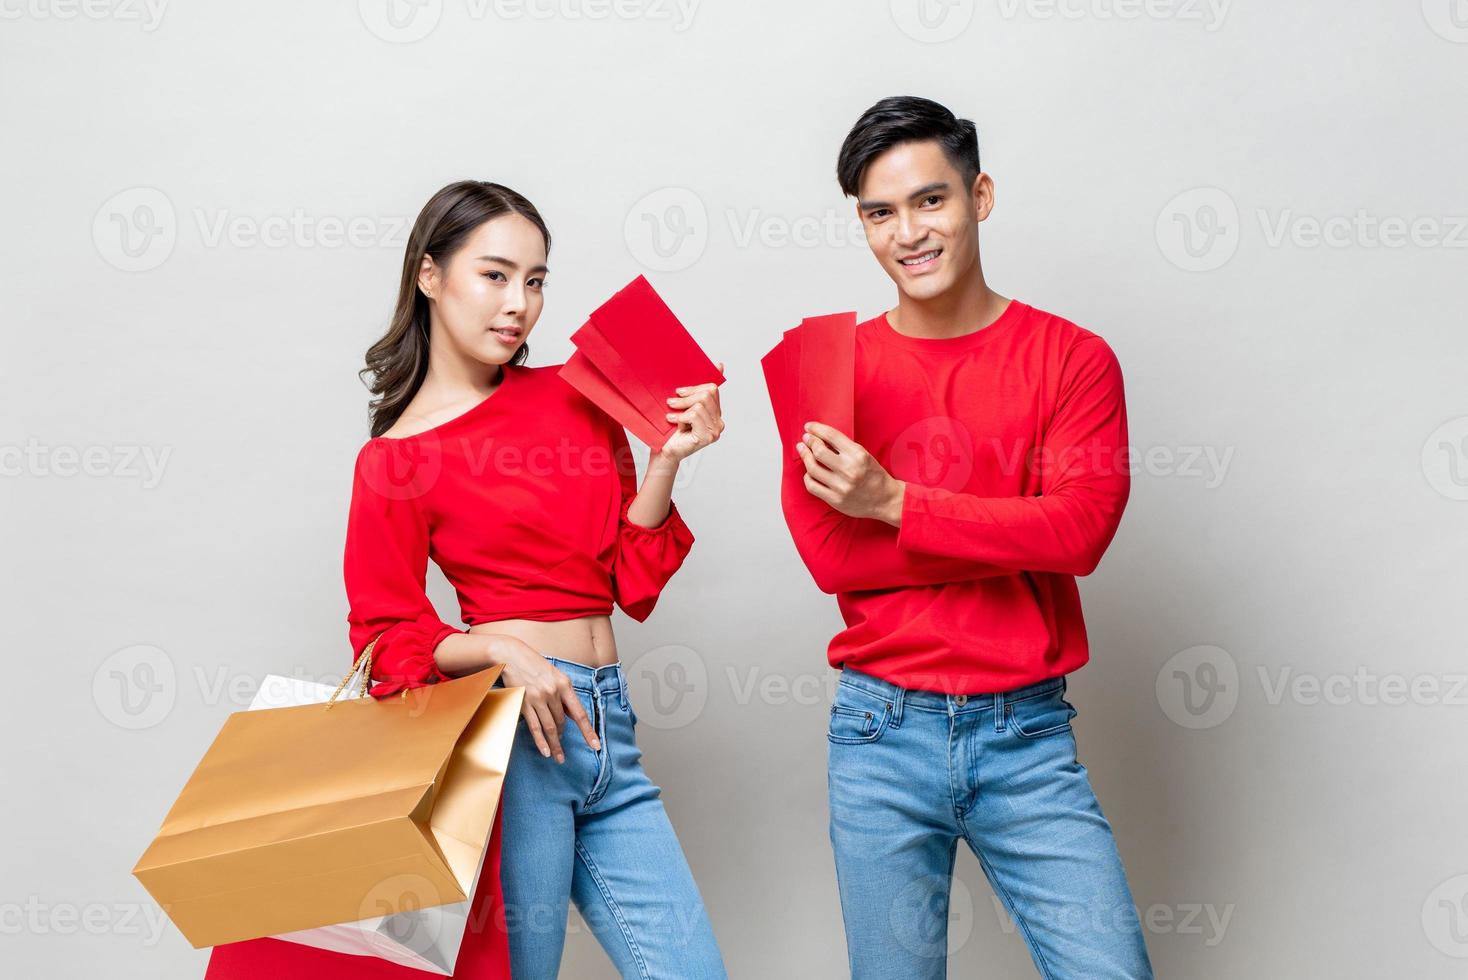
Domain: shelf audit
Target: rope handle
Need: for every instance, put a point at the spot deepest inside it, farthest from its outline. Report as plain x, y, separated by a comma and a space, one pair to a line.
364, 660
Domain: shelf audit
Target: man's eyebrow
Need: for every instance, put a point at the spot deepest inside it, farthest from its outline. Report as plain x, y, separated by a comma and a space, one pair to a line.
513, 266
923, 191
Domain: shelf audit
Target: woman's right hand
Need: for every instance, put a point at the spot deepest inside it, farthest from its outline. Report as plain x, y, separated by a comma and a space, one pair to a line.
549, 697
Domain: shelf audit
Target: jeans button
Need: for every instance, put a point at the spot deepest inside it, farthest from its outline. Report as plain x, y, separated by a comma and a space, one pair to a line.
961, 700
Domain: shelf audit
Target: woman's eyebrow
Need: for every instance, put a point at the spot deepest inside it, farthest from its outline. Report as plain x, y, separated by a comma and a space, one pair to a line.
513, 266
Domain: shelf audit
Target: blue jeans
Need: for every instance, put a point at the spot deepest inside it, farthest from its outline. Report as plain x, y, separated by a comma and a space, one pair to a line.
593, 829
912, 772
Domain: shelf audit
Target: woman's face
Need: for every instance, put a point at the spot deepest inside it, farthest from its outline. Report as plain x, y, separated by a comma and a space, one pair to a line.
486, 297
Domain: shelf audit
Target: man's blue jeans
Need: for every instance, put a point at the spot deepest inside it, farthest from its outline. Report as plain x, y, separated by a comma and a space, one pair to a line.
913, 772
593, 828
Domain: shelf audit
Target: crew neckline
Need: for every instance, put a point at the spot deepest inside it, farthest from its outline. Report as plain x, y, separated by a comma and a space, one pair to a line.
507, 372
1011, 314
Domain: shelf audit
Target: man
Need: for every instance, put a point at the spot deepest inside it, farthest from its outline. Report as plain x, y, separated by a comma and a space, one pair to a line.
986, 469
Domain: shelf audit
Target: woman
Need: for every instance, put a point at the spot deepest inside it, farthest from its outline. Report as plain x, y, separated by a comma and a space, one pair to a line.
525, 495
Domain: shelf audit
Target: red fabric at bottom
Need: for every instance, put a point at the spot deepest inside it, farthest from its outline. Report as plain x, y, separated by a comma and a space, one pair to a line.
485, 954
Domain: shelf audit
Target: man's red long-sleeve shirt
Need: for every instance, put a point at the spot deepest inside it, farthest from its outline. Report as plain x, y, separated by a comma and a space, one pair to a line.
1013, 442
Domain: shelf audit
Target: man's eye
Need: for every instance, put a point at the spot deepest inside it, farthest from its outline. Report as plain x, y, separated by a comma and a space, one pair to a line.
932, 199
879, 213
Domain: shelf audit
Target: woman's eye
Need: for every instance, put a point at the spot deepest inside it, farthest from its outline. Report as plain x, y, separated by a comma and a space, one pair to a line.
536, 283
495, 275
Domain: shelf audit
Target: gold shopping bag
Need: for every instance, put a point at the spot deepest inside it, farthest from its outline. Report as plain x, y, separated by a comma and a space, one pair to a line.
315, 815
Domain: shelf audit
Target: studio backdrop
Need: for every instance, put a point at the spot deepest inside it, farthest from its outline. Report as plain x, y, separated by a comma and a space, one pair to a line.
1259, 206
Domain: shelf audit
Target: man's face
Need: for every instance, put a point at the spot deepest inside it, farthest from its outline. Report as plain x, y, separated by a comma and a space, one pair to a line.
921, 220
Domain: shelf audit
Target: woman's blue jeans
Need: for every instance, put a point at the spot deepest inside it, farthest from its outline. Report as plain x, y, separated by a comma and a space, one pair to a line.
913, 772
593, 828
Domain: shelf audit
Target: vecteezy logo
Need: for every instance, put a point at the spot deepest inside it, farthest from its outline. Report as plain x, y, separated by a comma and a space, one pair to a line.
399, 900
667, 230
135, 687
1199, 687
670, 686
1447, 18
935, 452
1445, 917
400, 21
406, 468
1198, 230
1445, 459
135, 230
930, 922
932, 21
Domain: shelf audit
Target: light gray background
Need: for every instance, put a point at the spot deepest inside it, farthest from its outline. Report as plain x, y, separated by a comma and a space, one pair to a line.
1158, 168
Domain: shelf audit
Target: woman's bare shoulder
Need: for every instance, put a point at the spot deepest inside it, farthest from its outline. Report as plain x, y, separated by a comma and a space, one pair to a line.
416, 420
433, 410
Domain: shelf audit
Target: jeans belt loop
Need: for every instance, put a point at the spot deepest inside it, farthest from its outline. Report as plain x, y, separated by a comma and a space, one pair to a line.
999, 711
898, 697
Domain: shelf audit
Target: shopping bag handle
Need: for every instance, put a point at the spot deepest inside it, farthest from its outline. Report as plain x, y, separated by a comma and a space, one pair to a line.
364, 661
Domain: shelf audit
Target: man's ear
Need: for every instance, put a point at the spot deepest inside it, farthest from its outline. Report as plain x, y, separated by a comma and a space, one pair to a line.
982, 196
428, 277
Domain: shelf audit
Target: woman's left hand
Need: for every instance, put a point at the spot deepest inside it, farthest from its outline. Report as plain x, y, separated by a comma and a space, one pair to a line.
699, 417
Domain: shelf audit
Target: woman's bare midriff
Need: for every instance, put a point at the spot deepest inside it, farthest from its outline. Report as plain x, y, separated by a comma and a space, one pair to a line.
587, 640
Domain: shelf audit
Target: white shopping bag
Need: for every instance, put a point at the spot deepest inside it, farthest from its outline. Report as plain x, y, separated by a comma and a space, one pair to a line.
425, 939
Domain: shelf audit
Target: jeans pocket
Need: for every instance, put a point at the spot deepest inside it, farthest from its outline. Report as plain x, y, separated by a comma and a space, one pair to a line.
1042, 715
857, 717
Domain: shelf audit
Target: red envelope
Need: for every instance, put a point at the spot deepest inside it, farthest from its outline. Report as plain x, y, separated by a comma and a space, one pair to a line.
593, 344
782, 396
631, 357
582, 374
811, 374
826, 375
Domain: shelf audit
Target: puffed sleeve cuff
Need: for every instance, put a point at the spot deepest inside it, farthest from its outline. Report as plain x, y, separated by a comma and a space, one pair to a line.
408, 664
647, 557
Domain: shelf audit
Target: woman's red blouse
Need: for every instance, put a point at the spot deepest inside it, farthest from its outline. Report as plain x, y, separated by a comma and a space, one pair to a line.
522, 502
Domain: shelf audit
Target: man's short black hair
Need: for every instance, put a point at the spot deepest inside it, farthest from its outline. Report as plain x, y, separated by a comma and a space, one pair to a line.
906, 119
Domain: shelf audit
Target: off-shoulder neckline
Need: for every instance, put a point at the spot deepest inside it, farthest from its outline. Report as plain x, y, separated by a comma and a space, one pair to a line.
507, 372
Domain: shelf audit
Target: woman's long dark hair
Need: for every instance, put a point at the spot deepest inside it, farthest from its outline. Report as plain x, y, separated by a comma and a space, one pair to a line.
399, 360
